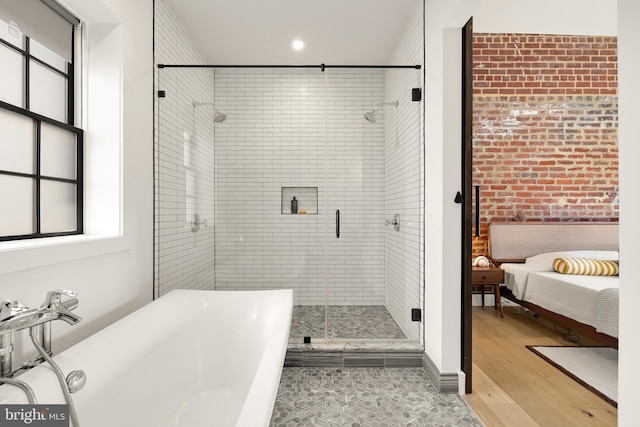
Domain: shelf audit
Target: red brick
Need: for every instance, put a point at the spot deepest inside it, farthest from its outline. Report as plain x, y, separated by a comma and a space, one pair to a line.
521, 158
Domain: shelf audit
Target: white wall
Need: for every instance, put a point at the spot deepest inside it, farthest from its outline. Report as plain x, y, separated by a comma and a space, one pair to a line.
404, 177
443, 21
629, 93
113, 277
572, 17
184, 161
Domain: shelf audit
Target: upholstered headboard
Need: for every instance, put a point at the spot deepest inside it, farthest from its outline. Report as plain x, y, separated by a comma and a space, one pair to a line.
516, 241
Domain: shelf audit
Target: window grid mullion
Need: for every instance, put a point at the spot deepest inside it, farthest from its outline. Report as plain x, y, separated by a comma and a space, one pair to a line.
27, 74
50, 67
37, 183
80, 182
33, 176
11, 46
71, 83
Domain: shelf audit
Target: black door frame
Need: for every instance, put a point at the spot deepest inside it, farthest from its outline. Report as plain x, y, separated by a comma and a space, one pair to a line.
467, 197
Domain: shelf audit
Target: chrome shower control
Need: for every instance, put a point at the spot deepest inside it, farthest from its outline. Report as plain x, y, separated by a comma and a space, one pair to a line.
196, 222
395, 222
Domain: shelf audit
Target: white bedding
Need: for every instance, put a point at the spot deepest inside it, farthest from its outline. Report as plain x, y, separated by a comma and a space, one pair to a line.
517, 275
607, 311
573, 296
591, 300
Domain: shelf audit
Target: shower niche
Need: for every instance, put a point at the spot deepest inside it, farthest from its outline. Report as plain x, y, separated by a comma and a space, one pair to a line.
306, 200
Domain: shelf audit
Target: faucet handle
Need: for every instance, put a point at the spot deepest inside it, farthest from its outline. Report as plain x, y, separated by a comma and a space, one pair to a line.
55, 297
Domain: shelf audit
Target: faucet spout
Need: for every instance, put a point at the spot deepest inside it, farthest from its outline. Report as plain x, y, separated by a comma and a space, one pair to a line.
57, 308
68, 316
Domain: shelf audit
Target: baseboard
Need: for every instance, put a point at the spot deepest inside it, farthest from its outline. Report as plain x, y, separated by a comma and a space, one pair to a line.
445, 382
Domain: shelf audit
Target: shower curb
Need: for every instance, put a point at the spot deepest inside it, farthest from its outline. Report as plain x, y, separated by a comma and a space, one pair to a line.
366, 358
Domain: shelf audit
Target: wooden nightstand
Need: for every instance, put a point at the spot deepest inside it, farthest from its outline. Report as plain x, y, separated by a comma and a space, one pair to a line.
489, 276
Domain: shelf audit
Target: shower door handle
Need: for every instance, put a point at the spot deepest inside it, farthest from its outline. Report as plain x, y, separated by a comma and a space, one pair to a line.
337, 224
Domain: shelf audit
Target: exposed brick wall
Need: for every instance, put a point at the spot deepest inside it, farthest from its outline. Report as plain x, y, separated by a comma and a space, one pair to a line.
533, 64
545, 128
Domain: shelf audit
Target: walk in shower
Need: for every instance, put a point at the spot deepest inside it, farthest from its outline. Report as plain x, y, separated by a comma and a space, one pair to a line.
224, 192
302, 177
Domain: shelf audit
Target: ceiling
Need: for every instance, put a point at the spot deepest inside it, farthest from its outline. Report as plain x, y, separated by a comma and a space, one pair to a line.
260, 32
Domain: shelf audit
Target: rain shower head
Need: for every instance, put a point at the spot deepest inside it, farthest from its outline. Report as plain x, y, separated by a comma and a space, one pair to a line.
218, 116
370, 116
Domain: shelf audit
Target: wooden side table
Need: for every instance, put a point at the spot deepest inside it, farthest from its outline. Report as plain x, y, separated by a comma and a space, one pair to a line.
489, 276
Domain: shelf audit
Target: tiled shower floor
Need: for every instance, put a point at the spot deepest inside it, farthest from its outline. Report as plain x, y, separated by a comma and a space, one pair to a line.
345, 322
365, 397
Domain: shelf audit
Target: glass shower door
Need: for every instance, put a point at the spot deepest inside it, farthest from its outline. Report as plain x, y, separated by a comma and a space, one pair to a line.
269, 151
374, 163
184, 181
236, 148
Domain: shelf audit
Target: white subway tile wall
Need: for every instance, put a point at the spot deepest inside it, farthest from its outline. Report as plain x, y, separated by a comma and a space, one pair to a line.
404, 180
290, 128
301, 128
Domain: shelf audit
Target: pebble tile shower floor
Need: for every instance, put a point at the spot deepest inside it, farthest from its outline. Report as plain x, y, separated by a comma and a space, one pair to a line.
366, 397
345, 321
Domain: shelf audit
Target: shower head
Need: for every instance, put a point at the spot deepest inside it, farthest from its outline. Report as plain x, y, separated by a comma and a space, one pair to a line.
370, 116
218, 116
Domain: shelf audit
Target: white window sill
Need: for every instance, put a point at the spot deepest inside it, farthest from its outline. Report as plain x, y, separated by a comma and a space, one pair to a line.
34, 253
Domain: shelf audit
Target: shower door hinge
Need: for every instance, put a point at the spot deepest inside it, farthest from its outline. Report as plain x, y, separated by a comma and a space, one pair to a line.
416, 94
416, 315
161, 94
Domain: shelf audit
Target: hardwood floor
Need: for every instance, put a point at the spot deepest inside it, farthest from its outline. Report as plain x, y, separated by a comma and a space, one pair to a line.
514, 387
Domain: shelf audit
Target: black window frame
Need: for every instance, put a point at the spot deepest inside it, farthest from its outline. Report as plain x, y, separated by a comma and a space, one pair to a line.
37, 120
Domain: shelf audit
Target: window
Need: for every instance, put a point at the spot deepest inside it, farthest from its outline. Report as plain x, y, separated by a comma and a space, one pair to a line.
41, 150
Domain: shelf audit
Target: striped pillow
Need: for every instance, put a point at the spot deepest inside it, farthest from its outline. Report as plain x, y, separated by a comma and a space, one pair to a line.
585, 266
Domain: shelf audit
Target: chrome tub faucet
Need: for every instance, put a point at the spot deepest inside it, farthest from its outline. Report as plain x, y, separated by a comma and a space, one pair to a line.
15, 317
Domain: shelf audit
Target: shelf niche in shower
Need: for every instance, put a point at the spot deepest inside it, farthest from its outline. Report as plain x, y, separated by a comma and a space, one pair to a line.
307, 198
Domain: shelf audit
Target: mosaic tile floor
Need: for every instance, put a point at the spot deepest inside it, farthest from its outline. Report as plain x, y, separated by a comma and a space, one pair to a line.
366, 397
345, 321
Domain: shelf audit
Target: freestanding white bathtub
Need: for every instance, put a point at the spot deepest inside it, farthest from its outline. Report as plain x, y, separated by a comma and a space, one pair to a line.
190, 358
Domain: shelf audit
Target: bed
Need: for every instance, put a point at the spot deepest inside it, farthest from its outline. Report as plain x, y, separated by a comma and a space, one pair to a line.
526, 251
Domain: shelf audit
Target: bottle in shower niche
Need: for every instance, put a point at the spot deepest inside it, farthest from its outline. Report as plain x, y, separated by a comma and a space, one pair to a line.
294, 205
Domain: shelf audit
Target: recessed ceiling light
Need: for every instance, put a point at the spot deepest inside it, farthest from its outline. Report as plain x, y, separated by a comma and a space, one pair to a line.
298, 44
